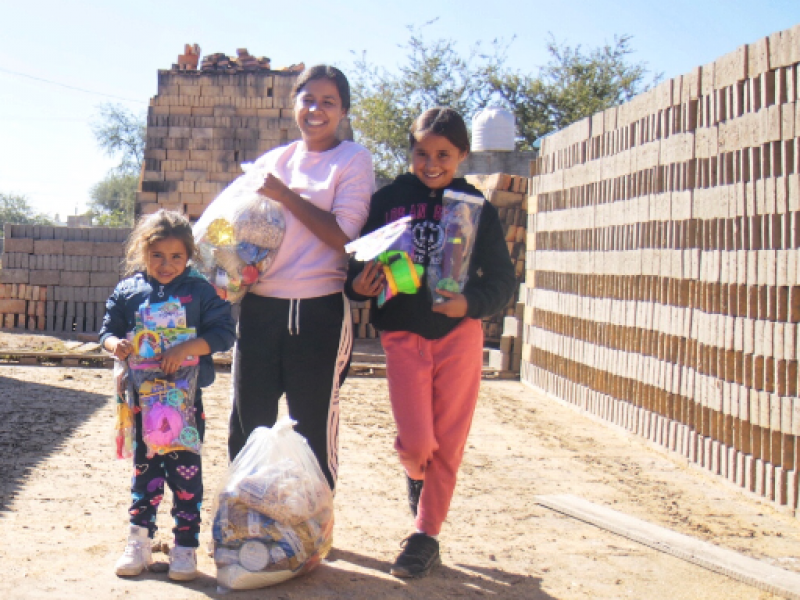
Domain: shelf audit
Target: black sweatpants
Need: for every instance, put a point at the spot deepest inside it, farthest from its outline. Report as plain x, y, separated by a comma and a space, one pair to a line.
298, 347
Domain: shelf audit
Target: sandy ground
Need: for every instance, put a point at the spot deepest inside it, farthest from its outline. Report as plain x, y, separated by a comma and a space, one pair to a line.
63, 500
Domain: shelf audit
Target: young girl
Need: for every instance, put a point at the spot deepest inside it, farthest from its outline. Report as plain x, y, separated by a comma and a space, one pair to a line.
158, 251
295, 334
434, 353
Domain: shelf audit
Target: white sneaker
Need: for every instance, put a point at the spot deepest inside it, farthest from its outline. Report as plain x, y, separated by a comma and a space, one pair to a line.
137, 555
182, 563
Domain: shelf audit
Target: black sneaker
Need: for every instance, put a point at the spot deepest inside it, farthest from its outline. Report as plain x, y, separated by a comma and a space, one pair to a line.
419, 556
414, 490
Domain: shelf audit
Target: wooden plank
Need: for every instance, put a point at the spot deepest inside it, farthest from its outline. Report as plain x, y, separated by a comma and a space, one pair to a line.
720, 560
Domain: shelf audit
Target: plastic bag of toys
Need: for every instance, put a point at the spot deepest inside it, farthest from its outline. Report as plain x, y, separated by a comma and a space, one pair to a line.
459, 224
169, 421
273, 517
239, 235
123, 423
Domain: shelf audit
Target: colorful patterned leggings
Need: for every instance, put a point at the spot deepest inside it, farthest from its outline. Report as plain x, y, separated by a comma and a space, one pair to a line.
182, 471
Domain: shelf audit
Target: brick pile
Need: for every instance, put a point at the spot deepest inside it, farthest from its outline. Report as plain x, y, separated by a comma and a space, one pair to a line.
509, 194
57, 279
202, 125
663, 286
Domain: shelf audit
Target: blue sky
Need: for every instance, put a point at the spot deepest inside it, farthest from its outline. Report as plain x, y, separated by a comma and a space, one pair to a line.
48, 153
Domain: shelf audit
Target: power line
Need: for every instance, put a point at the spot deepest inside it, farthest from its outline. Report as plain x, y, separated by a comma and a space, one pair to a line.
71, 87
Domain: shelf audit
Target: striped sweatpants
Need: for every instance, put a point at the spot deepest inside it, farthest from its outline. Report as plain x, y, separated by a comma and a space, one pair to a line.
300, 347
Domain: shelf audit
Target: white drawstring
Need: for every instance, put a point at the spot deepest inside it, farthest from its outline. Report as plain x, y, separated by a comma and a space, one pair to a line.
296, 308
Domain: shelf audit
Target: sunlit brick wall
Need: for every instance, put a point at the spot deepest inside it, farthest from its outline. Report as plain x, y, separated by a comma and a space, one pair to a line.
663, 291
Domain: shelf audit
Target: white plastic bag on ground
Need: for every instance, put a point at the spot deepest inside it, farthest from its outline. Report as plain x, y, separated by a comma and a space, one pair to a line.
273, 518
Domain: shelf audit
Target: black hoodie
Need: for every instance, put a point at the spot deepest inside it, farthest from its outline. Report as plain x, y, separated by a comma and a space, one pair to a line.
491, 281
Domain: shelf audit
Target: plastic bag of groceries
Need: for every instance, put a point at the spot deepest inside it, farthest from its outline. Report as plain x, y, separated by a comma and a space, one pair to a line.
459, 223
238, 235
169, 419
273, 516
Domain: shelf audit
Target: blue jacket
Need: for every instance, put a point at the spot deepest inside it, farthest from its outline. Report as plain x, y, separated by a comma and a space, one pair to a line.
205, 311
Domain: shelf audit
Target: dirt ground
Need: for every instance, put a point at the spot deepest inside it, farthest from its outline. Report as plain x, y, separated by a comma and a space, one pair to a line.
63, 500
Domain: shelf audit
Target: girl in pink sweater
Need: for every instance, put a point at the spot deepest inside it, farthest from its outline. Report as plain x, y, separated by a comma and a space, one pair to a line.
295, 333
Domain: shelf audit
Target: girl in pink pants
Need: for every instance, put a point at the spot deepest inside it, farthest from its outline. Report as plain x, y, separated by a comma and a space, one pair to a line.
434, 352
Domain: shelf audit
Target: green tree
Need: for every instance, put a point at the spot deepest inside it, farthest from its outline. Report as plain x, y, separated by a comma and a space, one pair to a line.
120, 132
113, 200
574, 84
434, 74
15, 208
578, 84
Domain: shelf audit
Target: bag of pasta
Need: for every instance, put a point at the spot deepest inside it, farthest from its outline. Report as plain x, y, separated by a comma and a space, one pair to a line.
273, 517
238, 235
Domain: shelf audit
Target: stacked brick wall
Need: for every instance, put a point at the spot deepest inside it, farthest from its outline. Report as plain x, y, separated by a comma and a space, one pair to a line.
202, 125
663, 286
57, 279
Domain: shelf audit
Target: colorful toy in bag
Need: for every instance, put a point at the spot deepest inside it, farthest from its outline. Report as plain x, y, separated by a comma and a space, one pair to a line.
166, 401
159, 327
390, 245
273, 516
169, 422
402, 275
459, 223
239, 235
123, 423
371, 245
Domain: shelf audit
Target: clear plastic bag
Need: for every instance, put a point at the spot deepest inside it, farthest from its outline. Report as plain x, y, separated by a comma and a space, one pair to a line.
459, 223
123, 423
238, 235
169, 421
273, 517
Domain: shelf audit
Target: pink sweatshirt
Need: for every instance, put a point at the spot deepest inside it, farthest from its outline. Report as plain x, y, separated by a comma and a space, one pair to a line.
339, 181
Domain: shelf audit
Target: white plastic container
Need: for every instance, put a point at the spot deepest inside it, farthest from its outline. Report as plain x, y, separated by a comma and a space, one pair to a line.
493, 130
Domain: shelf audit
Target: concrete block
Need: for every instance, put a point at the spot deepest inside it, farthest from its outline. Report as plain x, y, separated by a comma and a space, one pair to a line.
779, 486
731, 464
749, 473
114, 249
103, 279
769, 481
759, 477
23, 245
14, 275
79, 248
50, 277
75, 278
48, 246
715, 463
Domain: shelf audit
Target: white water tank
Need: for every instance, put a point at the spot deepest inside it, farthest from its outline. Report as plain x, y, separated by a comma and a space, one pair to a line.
493, 130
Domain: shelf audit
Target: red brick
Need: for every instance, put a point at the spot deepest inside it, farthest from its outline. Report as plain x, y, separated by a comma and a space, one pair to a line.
79, 248
10, 305
48, 247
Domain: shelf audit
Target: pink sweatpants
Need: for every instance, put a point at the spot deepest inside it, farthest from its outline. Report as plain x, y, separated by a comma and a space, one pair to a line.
433, 388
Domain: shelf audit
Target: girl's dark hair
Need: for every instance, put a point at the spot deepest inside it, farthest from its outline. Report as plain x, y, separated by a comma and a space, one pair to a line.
154, 228
440, 121
325, 72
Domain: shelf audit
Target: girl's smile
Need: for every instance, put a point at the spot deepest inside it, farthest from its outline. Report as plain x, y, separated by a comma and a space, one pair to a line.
318, 111
166, 259
435, 160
